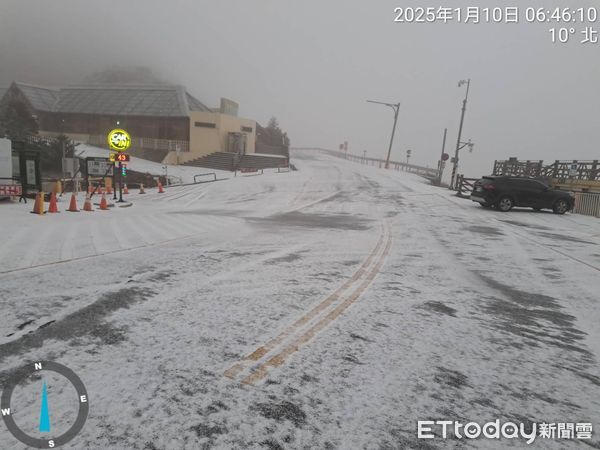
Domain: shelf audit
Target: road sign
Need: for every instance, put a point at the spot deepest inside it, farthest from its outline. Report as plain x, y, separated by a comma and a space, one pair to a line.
119, 157
119, 140
573, 170
10, 190
445, 156
99, 166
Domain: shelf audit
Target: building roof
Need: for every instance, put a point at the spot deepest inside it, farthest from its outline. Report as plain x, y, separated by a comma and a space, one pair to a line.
196, 105
125, 100
41, 98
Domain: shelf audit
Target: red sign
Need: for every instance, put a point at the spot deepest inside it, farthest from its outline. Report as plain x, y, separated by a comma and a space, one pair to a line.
10, 190
122, 157
445, 156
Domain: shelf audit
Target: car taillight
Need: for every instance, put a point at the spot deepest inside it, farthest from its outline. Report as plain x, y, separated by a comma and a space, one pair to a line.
488, 187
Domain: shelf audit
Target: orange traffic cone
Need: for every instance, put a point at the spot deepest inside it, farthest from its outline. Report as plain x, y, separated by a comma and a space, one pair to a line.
38, 206
73, 204
103, 203
125, 190
160, 188
53, 208
142, 189
87, 206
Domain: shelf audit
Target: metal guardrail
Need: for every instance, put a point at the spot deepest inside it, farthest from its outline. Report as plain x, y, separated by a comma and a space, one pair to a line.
427, 172
588, 204
204, 175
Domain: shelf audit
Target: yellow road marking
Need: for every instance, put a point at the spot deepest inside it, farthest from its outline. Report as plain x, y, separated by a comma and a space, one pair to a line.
279, 359
264, 349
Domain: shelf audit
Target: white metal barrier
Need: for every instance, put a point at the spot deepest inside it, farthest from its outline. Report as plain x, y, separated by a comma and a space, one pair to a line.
588, 204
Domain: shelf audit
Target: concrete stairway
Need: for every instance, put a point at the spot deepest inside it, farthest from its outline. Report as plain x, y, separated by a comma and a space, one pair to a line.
261, 161
217, 160
232, 161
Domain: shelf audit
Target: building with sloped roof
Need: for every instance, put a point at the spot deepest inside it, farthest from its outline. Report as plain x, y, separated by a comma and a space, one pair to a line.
167, 123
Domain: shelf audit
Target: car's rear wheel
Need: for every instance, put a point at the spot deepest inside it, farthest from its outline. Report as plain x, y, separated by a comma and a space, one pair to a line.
505, 204
560, 206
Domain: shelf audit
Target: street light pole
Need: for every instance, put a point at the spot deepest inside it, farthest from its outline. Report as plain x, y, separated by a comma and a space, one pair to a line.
442, 162
462, 119
396, 108
62, 185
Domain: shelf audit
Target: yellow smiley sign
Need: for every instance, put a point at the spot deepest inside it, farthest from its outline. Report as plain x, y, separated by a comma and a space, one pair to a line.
119, 140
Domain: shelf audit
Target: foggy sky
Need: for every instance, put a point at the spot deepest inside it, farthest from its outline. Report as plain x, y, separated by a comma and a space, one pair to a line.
313, 64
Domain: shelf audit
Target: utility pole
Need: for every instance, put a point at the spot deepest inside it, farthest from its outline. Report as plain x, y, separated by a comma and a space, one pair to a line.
442, 160
460, 127
396, 108
364, 156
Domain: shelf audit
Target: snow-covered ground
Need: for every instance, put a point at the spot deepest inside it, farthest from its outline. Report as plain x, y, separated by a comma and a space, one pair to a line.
185, 173
331, 307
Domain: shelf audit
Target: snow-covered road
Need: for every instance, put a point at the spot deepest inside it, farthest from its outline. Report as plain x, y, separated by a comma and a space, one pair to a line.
331, 307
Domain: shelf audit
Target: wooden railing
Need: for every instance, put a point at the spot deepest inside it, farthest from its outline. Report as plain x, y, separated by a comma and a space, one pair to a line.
464, 186
558, 170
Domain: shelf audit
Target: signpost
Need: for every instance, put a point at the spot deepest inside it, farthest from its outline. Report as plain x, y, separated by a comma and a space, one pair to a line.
119, 140
119, 157
573, 170
98, 166
29, 167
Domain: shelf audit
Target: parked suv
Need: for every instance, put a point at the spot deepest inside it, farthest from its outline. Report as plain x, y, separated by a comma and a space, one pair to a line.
505, 192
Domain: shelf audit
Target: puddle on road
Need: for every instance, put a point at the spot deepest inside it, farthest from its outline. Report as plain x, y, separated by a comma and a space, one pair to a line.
315, 220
